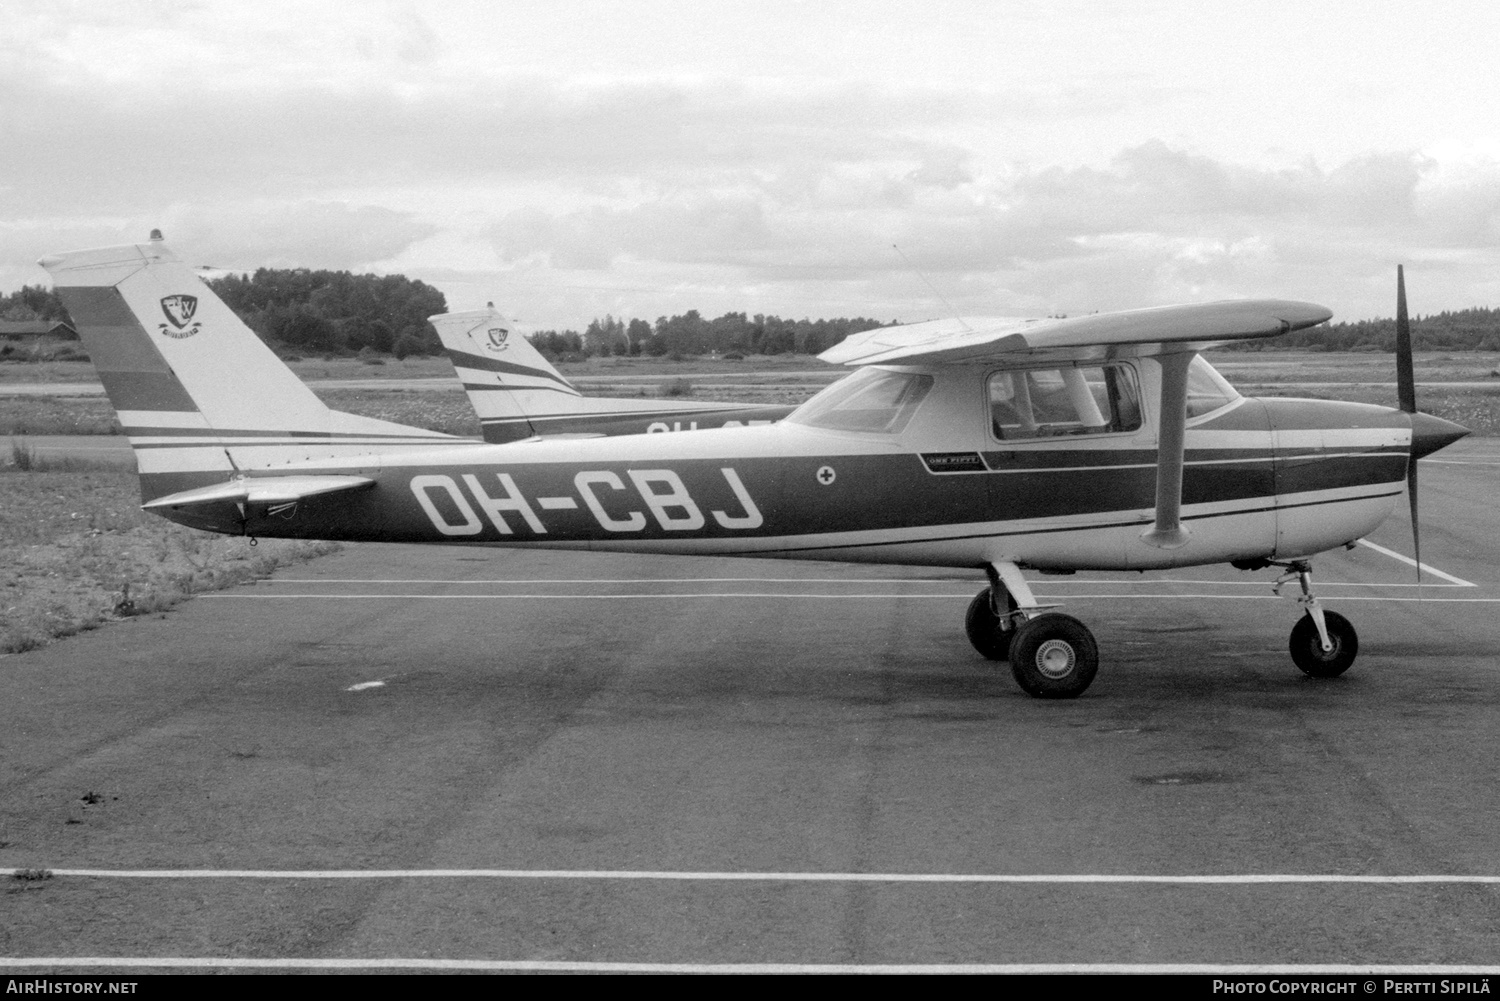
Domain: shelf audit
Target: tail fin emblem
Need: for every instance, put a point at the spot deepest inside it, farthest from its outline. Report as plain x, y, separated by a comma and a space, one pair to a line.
497, 338
179, 309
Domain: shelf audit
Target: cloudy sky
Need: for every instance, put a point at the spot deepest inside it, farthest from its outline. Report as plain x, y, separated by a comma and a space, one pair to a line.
568, 159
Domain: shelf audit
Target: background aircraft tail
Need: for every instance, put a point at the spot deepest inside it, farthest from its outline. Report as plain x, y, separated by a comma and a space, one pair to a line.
197, 392
507, 379
517, 393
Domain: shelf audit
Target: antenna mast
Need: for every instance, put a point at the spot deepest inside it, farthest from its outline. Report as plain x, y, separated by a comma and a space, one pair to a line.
946, 304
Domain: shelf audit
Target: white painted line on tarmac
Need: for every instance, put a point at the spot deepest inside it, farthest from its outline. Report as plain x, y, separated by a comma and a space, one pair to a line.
604, 966
585, 597
1413, 563
1262, 584
621, 580
1460, 462
1227, 879
230, 596
1049, 580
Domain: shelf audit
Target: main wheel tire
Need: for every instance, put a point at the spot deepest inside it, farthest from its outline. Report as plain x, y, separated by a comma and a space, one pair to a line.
983, 626
1307, 649
1053, 656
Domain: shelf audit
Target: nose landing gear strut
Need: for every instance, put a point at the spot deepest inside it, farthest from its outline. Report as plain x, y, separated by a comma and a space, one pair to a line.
1323, 644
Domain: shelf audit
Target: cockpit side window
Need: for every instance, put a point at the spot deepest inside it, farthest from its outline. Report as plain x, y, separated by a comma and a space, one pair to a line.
1067, 400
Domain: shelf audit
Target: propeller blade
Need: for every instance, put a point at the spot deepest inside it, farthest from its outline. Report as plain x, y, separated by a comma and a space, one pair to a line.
1411, 498
1406, 393
1406, 385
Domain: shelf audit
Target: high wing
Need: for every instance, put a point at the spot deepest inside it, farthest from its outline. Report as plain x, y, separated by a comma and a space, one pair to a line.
1190, 327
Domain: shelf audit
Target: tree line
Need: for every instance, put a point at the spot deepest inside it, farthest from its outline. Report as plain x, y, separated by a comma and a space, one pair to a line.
692, 334
335, 312
33, 302
1458, 330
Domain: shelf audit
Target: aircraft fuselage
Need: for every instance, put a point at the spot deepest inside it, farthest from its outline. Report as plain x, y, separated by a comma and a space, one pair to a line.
1263, 478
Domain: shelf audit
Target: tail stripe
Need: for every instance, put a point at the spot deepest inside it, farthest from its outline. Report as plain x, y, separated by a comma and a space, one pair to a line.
473, 387
134, 374
144, 390
465, 359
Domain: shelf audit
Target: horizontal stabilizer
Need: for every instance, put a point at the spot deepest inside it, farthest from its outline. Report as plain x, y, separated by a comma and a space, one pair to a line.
262, 490
976, 339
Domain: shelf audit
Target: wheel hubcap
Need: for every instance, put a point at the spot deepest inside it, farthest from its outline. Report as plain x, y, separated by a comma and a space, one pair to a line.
1055, 658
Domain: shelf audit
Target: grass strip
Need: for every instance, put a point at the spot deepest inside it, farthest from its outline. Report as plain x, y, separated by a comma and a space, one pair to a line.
76, 551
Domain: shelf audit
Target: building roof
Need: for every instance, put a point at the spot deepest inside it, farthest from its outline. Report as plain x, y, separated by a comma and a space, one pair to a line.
23, 327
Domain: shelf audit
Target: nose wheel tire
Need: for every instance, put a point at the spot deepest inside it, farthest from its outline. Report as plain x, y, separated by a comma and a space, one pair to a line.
1053, 656
1307, 648
983, 626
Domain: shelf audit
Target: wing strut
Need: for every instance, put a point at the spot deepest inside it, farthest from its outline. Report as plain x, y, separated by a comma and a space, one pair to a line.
1169, 532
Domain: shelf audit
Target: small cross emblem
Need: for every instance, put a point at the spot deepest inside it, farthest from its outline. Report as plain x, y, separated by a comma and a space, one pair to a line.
826, 475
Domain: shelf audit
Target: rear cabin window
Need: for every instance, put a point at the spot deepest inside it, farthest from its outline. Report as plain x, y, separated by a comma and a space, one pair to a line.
1069, 400
872, 399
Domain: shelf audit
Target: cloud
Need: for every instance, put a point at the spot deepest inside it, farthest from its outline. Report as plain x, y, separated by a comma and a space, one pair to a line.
305, 234
257, 139
87, 148
1157, 224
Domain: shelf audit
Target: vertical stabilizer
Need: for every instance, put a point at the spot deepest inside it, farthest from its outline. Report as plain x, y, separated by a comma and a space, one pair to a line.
198, 393
165, 346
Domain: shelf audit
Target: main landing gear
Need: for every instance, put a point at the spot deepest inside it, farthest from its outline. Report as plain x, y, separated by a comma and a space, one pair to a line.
1323, 644
1052, 655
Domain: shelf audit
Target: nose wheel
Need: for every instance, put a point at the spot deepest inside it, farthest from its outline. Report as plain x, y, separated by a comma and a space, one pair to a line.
1323, 644
1307, 646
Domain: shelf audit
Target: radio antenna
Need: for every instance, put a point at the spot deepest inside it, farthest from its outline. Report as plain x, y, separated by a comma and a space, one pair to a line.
946, 304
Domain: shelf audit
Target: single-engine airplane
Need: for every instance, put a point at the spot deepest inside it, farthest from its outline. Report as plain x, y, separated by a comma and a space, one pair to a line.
517, 394
1100, 442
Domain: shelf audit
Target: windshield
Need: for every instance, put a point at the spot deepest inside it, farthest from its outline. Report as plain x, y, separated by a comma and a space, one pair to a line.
872, 399
1207, 390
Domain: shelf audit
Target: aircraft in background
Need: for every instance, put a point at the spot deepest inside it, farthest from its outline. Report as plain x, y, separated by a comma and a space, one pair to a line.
1101, 442
518, 394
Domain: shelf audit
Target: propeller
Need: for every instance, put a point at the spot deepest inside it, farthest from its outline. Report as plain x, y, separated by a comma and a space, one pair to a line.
1406, 396
1428, 433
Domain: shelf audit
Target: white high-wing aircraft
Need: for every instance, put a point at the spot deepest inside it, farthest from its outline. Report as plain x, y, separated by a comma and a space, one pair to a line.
1101, 442
517, 393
